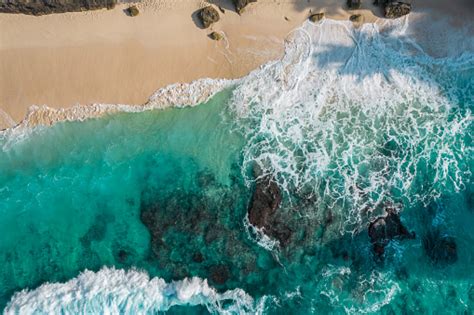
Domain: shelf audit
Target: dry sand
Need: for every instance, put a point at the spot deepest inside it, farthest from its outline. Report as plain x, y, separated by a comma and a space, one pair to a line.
108, 57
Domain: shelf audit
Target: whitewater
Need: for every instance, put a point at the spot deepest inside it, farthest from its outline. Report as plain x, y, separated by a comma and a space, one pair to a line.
348, 121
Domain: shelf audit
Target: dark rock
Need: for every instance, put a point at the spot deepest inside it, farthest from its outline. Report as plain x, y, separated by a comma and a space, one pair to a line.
198, 258
353, 4
208, 16
122, 256
241, 4
132, 11
221, 9
219, 274
262, 210
41, 7
396, 9
356, 18
441, 249
385, 228
316, 17
216, 36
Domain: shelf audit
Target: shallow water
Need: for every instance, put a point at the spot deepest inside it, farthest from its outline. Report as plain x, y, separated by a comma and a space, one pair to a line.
348, 122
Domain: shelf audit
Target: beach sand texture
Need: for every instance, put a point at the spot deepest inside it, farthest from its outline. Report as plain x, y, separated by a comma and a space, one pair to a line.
105, 56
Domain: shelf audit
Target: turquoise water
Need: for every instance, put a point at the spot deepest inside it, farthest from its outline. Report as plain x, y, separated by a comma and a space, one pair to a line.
165, 193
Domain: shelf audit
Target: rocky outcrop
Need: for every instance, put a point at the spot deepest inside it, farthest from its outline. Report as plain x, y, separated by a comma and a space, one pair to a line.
42, 7
262, 212
396, 9
208, 16
441, 249
353, 4
356, 18
132, 11
216, 36
241, 4
385, 228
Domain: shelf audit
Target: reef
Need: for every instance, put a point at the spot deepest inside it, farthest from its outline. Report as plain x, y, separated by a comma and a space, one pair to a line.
385, 228
440, 248
42, 7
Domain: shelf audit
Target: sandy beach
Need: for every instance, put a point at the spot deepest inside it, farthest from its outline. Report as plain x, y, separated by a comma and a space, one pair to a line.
105, 56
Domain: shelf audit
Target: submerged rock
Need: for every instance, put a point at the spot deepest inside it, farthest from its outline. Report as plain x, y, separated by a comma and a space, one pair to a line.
441, 249
396, 9
316, 17
41, 7
385, 228
208, 16
353, 4
263, 209
241, 4
219, 274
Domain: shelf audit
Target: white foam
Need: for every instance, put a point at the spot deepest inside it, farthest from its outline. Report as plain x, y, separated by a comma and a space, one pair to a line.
319, 118
115, 291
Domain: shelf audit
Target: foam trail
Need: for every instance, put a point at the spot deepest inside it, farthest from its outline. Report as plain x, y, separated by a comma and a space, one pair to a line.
115, 291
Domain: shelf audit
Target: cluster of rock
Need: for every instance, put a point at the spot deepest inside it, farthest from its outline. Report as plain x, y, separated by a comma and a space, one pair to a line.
392, 9
386, 228
42, 7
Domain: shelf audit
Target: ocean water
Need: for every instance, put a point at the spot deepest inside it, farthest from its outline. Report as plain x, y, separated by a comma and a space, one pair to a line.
147, 212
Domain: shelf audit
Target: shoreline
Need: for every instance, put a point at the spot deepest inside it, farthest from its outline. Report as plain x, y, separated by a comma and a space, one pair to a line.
72, 60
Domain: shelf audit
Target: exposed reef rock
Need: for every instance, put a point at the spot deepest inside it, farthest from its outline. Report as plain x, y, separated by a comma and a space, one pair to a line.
41, 7
396, 9
353, 4
241, 4
208, 16
385, 228
441, 249
263, 209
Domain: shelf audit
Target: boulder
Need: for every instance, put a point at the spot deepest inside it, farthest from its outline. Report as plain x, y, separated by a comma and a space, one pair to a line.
241, 4
356, 18
385, 228
132, 11
216, 36
208, 16
440, 248
396, 9
42, 7
316, 17
353, 4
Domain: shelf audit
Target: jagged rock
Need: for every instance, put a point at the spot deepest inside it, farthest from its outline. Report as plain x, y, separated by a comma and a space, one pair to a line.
241, 4
216, 36
356, 18
441, 249
316, 17
385, 228
133, 11
262, 211
208, 16
353, 4
41, 7
396, 9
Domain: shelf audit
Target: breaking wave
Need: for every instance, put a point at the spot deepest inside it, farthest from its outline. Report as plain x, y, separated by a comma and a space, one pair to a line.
114, 291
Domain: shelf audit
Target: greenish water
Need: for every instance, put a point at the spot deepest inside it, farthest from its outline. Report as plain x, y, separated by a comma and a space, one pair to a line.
166, 193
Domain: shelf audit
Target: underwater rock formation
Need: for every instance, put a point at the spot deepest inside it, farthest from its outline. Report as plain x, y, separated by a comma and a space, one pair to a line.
441, 249
385, 228
41, 7
263, 207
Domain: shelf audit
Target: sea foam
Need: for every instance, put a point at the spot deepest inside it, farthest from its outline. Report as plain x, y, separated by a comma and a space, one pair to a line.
115, 291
